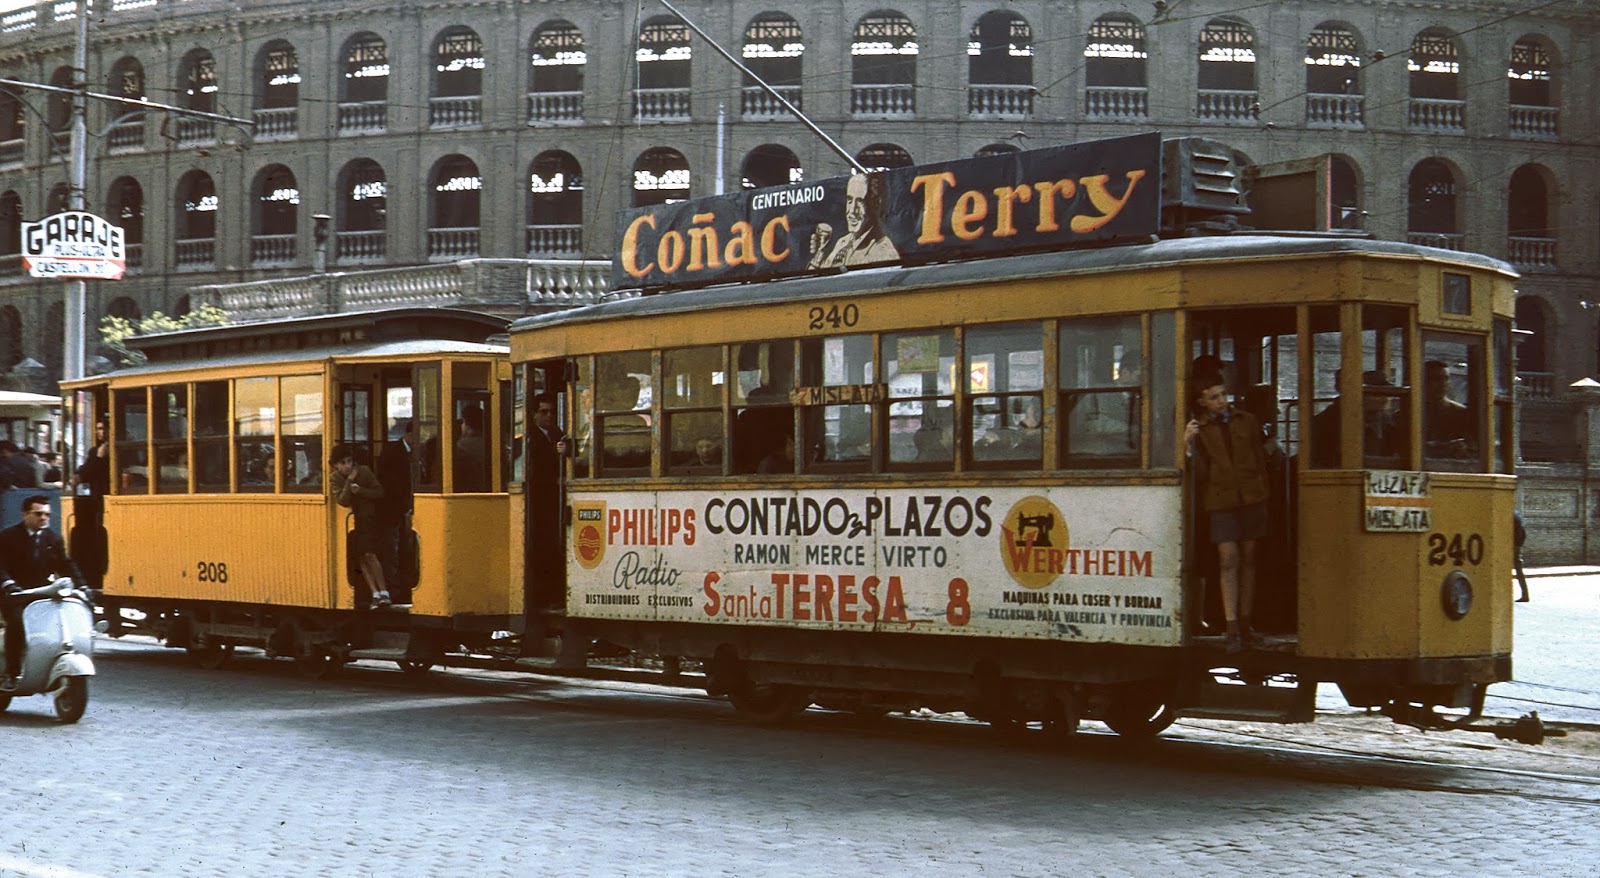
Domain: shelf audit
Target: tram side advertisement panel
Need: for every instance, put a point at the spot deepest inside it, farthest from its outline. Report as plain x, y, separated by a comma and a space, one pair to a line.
1086, 564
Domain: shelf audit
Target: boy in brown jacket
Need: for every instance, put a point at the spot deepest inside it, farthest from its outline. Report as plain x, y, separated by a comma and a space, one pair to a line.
1230, 465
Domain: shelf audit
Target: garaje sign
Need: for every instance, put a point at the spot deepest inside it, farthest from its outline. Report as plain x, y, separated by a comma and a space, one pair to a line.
1067, 196
74, 244
1082, 564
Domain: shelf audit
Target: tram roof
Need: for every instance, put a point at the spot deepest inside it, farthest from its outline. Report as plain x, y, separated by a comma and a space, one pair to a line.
397, 350
1166, 252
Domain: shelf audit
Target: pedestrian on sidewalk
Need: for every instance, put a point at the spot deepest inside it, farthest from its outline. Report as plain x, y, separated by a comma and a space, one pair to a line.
1519, 536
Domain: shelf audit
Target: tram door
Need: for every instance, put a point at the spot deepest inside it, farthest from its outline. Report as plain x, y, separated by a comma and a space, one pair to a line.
1257, 352
544, 470
377, 417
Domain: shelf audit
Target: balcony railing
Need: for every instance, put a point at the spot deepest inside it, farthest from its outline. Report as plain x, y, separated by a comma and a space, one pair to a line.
126, 136
883, 100
1532, 254
1439, 115
195, 253
661, 104
1335, 111
357, 247
455, 112
550, 107
555, 241
1228, 106
11, 151
1442, 240
1536, 385
135, 257
193, 132
1535, 123
357, 117
448, 245
271, 250
1117, 103
755, 103
277, 123
1000, 101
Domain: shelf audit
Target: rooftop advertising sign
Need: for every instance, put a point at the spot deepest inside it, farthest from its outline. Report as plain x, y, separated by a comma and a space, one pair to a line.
74, 244
1068, 196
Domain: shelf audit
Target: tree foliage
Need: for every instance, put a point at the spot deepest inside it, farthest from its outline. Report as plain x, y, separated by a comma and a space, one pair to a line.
115, 331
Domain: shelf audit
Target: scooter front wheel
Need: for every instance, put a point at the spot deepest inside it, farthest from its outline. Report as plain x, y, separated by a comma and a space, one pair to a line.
72, 699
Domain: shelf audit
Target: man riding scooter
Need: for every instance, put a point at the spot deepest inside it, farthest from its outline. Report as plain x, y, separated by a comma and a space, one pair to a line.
31, 554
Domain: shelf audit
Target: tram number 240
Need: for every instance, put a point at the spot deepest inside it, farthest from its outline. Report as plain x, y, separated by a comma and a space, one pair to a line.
1455, 548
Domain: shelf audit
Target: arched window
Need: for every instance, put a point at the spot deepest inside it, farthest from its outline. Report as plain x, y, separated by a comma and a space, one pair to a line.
275, 211
11, 231
660, 176
197, 86
1000, 66
363, 212
555, 205
1344, 191
774, 50
1530, 233
455, 191
883, 65
1431, 206
662, 65
10, 337
883, 156
278, 90
58, 106
1435, 71
125, 207
1227, 74
557, 60
13, 127
770, 165
1333, 77
364, 87
1534, 108
997, 149
127, 81
1533, 324
195, 228
457, 79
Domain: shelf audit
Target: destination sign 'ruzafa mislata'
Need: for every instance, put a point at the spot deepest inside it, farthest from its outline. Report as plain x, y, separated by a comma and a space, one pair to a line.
1085, 194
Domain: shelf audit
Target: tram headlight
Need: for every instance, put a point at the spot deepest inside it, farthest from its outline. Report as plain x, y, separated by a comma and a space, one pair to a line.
1456, 595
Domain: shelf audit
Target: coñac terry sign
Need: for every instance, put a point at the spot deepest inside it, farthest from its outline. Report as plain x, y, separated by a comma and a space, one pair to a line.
1068, 196
74, 244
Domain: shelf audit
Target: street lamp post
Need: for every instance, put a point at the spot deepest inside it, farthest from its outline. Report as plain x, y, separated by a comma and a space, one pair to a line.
77, 289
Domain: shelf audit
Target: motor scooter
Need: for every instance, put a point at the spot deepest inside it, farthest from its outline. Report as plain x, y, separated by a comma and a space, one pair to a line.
60, 627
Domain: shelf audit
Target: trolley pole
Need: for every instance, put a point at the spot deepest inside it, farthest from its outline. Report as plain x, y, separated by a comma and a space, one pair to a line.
77, 291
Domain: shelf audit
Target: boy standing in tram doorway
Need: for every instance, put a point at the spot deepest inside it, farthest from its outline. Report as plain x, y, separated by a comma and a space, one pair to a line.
1230, 466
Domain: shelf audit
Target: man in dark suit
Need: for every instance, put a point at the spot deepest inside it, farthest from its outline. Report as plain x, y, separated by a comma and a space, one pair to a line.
395, 473
31, 554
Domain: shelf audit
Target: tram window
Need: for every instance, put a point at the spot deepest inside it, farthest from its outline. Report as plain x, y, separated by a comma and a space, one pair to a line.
835, 437
920, 369
518, 414
763, 413
133, 457
425, 409
581, 430
1384, 391
1102, 385
1162, 383
255, 417
693, 381
301, 403
1504, 453
1005, 383
624, 396
211, 437
1326, 353
1452, 402
170, 424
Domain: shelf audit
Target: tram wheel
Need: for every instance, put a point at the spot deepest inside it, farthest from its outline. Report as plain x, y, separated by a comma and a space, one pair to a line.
767, 704
72, 699
210, 653
1138, 714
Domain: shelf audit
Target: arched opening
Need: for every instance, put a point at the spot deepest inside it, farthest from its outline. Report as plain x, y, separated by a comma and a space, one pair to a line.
1344, 191
11, 231
364, 87
458, 64
125, 308
770, 165
774, 49
1000, 66
278, 76
557, 60
1533, 334
1227, 72
996, 149
10, 337
455, 190
58, 106
1534, 110
883, 156
883, 65
125, 207
1431, 206
1530, 233
362, 212
197, 81
1333, 77
127, 81
195, 226
660, 176
663, 67
275, 211
1435, 82
13, 125
555, 205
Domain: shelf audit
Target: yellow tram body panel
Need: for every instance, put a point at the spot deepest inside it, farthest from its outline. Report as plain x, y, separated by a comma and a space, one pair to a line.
465, 568
266, 549
1369, 595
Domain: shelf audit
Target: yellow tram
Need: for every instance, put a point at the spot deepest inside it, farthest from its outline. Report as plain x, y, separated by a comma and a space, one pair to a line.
964, 485
215, 526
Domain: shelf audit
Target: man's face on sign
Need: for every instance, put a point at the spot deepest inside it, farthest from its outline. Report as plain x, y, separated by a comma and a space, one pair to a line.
855, 203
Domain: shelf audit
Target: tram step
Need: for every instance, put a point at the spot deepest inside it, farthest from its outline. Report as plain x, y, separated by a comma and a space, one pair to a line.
1251, 702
